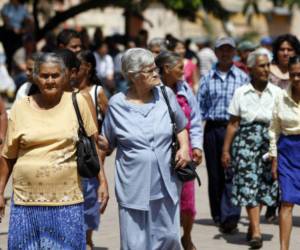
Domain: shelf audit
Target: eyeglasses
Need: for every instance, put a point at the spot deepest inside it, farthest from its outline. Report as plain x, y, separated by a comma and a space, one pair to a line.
150, 71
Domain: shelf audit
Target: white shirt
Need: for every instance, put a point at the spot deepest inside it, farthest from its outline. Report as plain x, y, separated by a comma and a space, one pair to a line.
104, 65
285, 120
251, 106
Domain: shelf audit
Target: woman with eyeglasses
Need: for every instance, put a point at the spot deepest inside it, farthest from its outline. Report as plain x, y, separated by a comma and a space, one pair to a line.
171, 68
284, 150
138, 125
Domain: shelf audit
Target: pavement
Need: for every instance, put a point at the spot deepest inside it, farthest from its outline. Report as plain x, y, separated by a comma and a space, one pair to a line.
206, 235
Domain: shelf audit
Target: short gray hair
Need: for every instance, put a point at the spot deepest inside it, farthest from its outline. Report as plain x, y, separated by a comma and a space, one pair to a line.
135, 59
251, 60
47, 58
157, 41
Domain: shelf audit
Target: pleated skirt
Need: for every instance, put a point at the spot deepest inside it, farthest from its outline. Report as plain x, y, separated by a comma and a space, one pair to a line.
46, 227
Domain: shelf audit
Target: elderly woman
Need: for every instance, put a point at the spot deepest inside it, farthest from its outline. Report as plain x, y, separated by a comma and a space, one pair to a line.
47, 206
190, 69
138, 124
170, 66
246, 143
157, 45
284, 150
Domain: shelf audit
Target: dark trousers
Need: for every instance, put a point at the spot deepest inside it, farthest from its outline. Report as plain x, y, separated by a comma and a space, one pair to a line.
219, 184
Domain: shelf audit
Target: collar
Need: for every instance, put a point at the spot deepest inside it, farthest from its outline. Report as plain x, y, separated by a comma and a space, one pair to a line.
249, 88
182, 88
288, 94
232, 71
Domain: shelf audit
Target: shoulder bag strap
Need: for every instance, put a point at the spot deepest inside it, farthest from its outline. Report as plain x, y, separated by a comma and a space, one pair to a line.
165, 95
79, 118
96, 101
172, 116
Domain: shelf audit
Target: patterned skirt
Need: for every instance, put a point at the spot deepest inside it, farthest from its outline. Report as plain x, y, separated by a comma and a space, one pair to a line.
46, 227
252, 177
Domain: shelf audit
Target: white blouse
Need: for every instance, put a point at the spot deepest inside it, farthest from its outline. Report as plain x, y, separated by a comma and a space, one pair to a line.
251, 106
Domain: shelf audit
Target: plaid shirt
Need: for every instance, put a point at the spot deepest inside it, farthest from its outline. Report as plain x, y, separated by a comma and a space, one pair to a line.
215, 94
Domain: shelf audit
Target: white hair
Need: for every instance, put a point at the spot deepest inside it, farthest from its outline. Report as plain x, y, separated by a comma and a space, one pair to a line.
157, 41
135, 59
251, 60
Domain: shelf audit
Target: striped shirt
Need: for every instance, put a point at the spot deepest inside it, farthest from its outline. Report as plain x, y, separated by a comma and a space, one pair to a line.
216, 91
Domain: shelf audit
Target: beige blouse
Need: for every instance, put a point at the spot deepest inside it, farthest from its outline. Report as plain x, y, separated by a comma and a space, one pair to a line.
43, 142
286, 119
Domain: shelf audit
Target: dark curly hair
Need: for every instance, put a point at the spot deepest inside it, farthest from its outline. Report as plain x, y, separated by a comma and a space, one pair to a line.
291, 39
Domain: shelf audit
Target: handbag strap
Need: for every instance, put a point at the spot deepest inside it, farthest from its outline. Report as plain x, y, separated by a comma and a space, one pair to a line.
96, 101
79, 118
172, 116
165, 95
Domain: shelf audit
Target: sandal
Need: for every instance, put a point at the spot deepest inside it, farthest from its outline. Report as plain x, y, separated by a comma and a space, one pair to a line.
188, 245
256, 242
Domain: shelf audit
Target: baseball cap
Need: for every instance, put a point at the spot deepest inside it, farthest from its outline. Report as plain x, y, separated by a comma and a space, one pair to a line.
246, 45
266, 40
225, 41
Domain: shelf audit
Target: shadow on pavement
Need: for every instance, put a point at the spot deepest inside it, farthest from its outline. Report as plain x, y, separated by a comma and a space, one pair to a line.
240, 238
205, 222
3, 233
98, 248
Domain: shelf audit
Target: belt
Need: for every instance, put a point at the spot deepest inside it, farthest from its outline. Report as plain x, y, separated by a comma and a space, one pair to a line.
217, 123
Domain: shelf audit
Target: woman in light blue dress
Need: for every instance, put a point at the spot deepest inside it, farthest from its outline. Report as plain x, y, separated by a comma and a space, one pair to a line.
138, 125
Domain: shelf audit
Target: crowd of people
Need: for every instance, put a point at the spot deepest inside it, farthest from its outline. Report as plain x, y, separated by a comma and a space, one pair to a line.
237, 105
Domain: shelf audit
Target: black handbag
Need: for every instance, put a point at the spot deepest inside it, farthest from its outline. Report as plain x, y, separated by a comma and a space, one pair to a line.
87, 158
189, 172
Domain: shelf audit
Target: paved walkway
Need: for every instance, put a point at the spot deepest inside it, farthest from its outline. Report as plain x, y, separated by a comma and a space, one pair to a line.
205, 235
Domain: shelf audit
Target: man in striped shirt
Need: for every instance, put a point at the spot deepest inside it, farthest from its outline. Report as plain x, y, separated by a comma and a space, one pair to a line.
214, 95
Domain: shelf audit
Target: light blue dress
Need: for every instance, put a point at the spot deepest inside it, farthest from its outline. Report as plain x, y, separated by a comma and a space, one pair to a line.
145, 181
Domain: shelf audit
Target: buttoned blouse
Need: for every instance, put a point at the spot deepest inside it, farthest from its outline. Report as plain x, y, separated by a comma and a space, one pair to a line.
285, 120
251, 106
142, 135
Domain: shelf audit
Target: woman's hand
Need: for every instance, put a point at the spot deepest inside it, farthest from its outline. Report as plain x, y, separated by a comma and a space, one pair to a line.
274, 168
226, 159
197, 156
103, 143
182, 157
103, 195
2, 207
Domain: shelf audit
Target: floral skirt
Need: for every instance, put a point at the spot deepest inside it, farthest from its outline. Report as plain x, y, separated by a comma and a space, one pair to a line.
46, 227
252, 178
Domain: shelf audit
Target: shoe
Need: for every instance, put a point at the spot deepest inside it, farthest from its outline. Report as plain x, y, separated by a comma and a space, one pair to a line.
256, 242
270, 215
228, 227
217, 221
249, 234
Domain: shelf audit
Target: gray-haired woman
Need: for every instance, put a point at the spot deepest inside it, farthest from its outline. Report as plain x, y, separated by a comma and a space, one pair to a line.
246, 142
47, 207
138, 125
